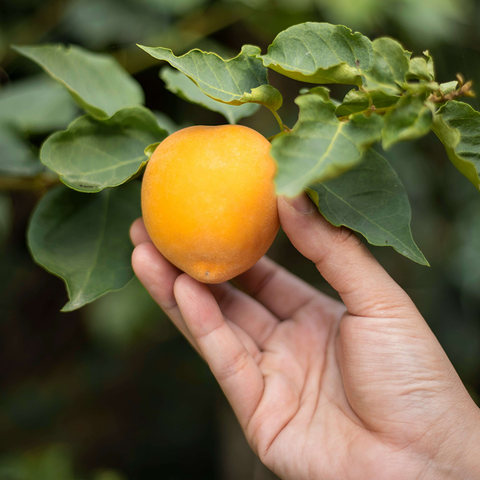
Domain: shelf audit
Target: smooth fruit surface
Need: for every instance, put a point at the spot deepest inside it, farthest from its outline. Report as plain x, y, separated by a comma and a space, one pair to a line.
208, 200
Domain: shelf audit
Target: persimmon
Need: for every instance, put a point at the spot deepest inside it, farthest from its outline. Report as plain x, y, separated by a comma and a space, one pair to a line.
208, 200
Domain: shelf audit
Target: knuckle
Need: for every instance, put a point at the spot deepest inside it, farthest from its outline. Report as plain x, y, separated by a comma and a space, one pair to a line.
345, 236
233, 367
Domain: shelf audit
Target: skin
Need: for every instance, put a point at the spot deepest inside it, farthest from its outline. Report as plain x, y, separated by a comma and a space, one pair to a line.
322, 389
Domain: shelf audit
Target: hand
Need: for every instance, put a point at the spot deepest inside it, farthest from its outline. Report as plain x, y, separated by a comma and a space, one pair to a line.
325, 390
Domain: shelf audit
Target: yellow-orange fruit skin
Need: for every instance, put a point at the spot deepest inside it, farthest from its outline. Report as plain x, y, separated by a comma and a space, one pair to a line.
208, 200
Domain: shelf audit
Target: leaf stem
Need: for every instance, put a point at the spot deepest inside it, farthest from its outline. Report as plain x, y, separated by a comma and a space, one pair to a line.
279, 120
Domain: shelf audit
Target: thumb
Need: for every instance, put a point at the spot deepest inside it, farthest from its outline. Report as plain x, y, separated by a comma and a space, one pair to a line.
345, 263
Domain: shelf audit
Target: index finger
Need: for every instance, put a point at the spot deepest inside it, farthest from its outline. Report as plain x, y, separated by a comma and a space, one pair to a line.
346, 264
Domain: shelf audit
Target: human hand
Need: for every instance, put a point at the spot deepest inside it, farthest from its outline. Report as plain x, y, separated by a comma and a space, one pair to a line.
324, 390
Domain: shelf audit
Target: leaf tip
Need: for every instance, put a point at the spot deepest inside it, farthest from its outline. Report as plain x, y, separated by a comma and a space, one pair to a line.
67, 308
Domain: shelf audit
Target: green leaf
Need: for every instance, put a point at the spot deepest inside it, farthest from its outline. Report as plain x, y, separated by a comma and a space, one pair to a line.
95, 154
421, 88
118, 320
320, 53
16, 156
430, 64
243, 79
419, 69
322, 92
422, 68
36, 105
324, 53
370, 199
84, 240
96, 81
165, 122
457, 125
320, 146
448, 87
151, 148
356, 101
389, 69
180, 85
411, 118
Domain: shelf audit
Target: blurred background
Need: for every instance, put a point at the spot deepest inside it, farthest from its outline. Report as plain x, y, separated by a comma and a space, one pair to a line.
112, 392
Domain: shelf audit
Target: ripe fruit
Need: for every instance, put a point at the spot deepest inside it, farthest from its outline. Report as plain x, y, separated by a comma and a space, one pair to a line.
208, 200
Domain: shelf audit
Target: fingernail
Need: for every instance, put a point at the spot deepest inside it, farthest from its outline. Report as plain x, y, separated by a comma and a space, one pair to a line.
302, 204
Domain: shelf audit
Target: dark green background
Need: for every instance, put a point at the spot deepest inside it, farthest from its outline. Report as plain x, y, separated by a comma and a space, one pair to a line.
111, 391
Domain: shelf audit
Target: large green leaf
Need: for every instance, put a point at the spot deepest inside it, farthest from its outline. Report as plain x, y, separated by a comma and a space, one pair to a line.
243, 79
457, 125
16, 155
84, 240
370, 199
36, 105
356, 101
320, 53
389, 69
96, 81
95, 154
410, 119
320, 146
179, 84
324, 53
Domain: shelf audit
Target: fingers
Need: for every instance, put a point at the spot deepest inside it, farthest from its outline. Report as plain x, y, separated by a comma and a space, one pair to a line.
257, 321
236, 370
138, 232
280, 291
158, 276
344, 262
252, 317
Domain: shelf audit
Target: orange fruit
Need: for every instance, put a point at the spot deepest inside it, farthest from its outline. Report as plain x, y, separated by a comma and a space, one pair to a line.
208, 200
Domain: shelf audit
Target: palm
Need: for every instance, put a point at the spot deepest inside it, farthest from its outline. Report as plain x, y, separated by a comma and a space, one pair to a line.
304, 384
320, 392
303, 398
338, 427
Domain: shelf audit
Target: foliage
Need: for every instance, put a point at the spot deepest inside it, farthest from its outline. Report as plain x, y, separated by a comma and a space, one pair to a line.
84, 239
109, 379
395, 97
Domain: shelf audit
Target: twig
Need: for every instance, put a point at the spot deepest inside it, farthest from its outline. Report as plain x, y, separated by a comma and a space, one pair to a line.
465, 89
